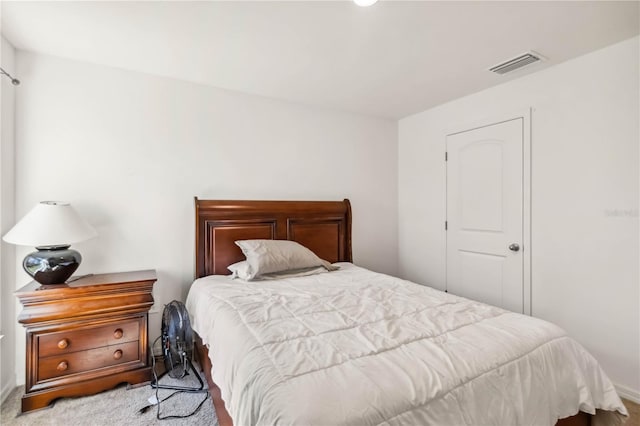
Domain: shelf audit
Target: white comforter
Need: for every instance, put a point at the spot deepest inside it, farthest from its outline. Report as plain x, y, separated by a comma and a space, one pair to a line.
360, 348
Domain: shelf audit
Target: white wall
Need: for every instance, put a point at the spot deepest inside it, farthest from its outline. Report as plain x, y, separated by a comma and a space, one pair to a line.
130, 151
7, 208
585, 191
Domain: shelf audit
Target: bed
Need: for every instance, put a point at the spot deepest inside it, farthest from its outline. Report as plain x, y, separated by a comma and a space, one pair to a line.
357, 347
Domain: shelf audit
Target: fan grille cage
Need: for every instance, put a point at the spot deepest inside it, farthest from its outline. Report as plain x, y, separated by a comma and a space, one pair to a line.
177, 339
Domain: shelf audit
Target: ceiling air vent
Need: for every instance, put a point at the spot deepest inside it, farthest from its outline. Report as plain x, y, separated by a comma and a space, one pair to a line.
517, 62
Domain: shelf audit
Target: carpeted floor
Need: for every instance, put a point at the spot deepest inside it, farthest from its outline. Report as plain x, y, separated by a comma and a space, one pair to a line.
114, 408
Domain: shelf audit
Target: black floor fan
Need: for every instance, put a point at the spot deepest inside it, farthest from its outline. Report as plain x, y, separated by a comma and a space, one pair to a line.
177, 347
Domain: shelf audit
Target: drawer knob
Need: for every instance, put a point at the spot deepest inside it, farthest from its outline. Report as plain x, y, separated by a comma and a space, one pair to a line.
117, 354
62, 366
63, 343
118, 333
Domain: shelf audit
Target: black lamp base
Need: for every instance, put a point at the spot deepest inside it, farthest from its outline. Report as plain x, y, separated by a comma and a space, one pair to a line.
52, 265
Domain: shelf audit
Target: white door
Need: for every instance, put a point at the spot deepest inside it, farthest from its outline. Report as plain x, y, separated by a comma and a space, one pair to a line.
485, 214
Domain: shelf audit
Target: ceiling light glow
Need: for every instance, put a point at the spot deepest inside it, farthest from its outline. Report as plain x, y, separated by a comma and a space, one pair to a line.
364, 3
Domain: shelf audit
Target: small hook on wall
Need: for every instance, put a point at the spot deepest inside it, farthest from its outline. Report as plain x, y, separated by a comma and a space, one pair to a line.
14, 81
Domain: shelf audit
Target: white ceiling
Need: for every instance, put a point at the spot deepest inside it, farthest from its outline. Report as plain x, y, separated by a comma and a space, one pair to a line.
389, 60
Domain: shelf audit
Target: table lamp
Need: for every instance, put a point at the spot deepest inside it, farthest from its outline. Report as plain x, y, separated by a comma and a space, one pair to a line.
51, 227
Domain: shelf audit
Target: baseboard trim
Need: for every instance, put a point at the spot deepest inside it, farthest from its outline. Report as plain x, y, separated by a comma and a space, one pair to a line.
628, 393
7, 389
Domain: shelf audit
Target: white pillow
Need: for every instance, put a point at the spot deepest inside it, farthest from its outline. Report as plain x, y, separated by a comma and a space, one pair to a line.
241, 270
269, 256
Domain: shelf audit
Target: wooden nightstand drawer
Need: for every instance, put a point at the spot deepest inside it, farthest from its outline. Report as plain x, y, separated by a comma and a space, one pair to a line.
87, 338
82, 361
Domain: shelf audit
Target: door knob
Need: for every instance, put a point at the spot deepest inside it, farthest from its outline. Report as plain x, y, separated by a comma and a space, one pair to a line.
514, 247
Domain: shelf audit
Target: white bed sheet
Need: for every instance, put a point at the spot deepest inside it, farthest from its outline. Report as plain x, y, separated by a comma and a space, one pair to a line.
354, 347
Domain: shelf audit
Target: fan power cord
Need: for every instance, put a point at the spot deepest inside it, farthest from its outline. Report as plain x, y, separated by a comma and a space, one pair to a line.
158, 400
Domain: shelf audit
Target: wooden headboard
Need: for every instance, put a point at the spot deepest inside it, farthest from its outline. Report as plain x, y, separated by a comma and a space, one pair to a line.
322, 226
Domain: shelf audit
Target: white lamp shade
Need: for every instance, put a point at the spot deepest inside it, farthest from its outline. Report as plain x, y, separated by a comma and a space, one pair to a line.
50, 223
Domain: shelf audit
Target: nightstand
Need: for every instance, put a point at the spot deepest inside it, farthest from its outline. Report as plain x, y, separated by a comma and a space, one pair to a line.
86, 336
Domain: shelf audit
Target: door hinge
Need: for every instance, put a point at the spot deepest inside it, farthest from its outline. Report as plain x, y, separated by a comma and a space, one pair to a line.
446, 156
446, 225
